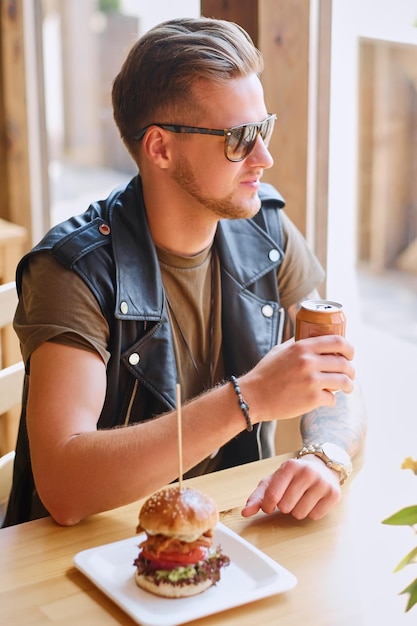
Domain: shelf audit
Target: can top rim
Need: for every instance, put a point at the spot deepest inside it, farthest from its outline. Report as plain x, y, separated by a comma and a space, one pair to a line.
326, 306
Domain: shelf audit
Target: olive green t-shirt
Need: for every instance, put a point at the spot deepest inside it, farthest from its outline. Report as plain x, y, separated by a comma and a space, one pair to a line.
193, 296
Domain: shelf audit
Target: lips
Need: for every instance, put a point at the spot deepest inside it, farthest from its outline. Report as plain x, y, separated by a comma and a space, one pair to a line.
252, 181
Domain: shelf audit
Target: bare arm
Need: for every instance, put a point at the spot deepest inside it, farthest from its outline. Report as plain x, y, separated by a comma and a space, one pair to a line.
90, 470
344, 424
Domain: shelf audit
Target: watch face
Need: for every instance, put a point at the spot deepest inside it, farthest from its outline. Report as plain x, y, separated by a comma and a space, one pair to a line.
335, 453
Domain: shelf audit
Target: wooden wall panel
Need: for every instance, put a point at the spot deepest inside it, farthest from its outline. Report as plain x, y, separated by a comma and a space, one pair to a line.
15, 204
243, 12
321, 155
284, 42
4, 189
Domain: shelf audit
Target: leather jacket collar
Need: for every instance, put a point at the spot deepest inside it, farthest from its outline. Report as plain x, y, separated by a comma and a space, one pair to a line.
236, 241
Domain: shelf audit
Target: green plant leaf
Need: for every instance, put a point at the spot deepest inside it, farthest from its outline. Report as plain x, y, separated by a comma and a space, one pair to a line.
404, 517
411, 557
412, 590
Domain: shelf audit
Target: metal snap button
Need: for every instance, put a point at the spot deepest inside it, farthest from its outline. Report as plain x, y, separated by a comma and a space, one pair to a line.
267, 310
124, 307
134, 358
273, 255
104, 229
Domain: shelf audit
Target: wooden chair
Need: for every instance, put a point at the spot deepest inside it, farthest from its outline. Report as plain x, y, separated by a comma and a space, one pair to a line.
6, 475
11, 370
11, 384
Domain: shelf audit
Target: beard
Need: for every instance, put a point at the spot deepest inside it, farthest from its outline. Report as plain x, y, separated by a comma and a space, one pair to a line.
223, 208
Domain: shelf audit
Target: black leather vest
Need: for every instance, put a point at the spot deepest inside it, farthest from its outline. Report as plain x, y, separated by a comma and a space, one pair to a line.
110, 248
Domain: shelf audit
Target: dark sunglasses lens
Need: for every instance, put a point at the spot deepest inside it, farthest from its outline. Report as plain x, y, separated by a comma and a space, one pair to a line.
241, 140
267, 129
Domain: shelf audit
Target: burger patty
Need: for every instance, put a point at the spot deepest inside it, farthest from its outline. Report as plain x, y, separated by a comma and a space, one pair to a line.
155, 544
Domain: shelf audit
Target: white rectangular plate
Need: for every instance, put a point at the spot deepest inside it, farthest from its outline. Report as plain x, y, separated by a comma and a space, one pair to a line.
250, 576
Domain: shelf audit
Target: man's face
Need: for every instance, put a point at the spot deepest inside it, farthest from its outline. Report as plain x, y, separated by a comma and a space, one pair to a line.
201, 170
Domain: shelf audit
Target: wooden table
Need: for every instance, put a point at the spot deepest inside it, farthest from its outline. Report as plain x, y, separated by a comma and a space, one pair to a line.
343, 563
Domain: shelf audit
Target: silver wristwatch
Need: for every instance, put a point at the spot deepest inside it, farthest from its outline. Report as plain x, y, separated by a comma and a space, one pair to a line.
335, 457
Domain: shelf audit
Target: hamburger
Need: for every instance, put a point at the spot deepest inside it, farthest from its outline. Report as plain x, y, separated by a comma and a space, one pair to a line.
177, 558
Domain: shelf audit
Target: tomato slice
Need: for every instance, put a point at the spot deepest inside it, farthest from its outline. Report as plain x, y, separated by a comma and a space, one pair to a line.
169, 560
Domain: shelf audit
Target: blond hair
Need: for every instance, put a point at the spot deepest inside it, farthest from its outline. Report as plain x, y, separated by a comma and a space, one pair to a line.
158, 75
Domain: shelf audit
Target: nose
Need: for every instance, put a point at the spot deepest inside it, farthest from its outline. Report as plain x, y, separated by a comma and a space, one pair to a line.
260, 155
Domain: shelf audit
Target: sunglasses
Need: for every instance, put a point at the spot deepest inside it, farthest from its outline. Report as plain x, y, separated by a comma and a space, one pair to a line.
239, 141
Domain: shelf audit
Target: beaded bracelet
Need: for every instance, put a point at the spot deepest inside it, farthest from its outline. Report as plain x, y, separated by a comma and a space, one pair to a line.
244, 407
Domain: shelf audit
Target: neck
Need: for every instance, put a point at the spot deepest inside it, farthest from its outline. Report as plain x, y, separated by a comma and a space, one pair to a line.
178, 227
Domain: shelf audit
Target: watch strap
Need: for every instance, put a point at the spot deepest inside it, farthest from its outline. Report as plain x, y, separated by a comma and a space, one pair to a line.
338, 461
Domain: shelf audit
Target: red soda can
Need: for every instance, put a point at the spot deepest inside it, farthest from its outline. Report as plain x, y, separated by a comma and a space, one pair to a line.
319, 317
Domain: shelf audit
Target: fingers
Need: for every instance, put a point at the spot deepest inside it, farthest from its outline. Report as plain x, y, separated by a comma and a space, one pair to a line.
336, 363
251, 507
312, 492
302, 488
330, 344
325, 370
264, 497
320, 355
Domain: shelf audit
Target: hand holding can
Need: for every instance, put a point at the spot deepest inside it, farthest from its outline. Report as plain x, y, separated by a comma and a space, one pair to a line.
320, 317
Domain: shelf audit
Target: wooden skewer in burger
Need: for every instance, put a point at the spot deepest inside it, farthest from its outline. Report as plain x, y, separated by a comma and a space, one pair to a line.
177, 558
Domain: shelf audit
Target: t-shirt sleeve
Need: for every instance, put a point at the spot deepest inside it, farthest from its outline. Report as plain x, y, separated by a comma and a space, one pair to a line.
56, 305
300, 272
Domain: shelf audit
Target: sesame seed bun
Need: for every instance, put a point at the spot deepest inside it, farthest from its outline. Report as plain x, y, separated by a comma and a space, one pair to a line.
185, 514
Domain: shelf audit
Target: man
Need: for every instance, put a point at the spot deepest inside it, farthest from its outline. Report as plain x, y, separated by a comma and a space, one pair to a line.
182, 276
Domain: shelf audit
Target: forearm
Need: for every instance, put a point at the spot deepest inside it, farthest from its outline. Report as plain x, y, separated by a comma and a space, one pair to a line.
343, 424
100, 470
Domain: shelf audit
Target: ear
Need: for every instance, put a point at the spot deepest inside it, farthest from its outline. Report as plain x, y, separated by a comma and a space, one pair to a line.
156, 146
